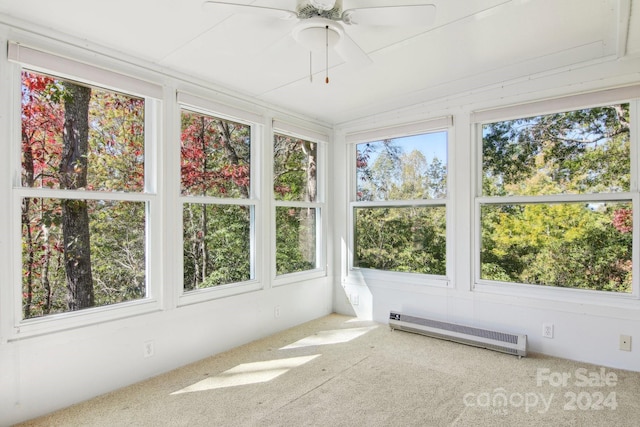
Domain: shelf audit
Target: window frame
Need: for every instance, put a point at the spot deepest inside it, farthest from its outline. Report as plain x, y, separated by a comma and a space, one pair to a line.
443, 124
560, 105
24, 58
198, 105
287, 129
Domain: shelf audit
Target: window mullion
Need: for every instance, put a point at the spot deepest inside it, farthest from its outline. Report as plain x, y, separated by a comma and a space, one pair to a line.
557, 198
83, 194
400, 203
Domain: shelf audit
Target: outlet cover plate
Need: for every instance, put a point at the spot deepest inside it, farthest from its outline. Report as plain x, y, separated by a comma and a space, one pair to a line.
625, 342
149, 349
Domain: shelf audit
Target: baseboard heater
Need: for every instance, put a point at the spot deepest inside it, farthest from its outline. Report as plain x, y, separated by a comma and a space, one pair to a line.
515, 344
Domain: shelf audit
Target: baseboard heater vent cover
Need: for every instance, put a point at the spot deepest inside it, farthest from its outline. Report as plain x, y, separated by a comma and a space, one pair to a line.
515, 344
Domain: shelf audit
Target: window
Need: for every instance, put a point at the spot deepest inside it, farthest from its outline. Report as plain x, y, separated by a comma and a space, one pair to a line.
400, 204
84, 205
217, 205
556, 205
297, 204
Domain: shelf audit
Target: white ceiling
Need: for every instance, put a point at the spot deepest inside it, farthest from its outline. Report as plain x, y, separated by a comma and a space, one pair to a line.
472, 44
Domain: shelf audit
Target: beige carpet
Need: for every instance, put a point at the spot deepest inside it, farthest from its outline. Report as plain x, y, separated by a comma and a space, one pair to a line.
338, 371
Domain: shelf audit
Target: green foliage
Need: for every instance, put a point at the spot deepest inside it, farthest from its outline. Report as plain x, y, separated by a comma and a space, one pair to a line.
294, 169
295, 163
295, 239
118, 250
409, 238
217, 245
585, 151
564, 245
575, 245
215, 162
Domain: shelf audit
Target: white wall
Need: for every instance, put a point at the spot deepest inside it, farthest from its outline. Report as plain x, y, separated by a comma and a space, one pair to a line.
45, 373
586, 328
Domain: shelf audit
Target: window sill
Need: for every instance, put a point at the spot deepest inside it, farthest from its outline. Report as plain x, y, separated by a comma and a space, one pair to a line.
300, 276
565, 299
60, 322
395, 279
217, 292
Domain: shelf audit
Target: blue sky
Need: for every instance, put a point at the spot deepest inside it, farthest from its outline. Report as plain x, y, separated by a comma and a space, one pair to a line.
432, 145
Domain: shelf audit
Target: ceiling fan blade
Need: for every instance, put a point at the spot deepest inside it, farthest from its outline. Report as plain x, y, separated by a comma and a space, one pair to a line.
413, 15
230, 7
351, 53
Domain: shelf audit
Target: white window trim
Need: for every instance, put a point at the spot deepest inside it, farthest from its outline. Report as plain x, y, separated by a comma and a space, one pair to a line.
67, 68
361, 275
199, 105
321, 139
589, 100
25, 328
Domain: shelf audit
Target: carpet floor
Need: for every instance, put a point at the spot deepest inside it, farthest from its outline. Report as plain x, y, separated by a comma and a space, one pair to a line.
339, 371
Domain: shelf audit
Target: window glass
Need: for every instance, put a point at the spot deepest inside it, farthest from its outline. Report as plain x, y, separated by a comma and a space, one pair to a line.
295, 189
80, 252
408, 239
217, 242
558, 241
583, 151
107, 152
409, 236
295, 239
53, 271
215, 156
295, 169
413, 167
571, 245
215, 163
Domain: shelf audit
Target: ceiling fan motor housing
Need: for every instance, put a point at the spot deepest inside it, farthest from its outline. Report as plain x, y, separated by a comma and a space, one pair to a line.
307, 10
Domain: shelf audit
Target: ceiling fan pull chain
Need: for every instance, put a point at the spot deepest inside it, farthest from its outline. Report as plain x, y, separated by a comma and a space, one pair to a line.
326, 80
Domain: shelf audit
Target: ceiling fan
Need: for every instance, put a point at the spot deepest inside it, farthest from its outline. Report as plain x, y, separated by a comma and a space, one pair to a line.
320, 22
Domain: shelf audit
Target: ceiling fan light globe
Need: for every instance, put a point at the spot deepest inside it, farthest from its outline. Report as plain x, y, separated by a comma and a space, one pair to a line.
315, 38
314, 35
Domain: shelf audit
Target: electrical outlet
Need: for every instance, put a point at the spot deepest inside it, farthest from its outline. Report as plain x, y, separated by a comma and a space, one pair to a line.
625, 342
547, 330
354, 299
276, 311
149, 349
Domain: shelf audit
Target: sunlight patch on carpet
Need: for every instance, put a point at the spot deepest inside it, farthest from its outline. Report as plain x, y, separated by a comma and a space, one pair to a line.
335, 336
248, 373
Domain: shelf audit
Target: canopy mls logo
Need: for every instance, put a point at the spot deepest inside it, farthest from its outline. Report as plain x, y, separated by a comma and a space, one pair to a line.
582, 377
593, 393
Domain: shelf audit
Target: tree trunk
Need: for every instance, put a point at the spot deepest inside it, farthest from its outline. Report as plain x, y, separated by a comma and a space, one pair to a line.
230, 152
75, 214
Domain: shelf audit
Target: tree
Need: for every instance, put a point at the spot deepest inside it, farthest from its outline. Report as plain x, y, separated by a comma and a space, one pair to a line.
407, 238
295, 180
215, 162
80, 253
41, 121
579, 151
75, 216
582, 245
